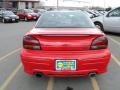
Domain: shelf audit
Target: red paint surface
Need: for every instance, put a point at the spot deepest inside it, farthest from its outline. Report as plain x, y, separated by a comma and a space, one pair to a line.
67, 44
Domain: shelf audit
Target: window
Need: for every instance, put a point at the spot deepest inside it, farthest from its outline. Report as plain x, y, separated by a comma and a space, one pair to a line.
26, 5
64, 20
33, 4
115, 13
19, 11
15, 5
6, 13
28, 11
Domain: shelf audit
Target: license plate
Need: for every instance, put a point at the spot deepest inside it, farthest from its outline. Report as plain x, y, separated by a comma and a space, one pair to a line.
62, 65
13, 19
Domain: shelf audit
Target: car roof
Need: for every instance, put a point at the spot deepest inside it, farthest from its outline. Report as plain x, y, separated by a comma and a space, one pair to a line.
5, 11
65, 11
61, 11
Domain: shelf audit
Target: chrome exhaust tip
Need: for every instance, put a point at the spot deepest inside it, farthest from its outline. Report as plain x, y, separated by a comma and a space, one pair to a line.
92, 74
38, 75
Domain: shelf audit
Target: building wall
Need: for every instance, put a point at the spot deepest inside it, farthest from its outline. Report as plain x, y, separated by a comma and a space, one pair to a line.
1, 2
36, 5
30, 5
21, 5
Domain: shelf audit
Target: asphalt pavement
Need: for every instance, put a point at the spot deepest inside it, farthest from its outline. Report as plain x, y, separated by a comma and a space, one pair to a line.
12, 76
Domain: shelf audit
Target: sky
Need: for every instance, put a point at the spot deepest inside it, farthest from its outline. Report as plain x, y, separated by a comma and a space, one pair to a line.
102, 3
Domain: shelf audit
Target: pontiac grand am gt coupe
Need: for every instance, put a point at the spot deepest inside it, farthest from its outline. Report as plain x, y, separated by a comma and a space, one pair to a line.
65, 43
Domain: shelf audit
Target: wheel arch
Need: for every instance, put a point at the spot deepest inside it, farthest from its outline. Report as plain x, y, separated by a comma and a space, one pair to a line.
99, 23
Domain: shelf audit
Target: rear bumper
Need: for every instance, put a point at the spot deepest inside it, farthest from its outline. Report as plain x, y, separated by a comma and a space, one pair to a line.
44, 62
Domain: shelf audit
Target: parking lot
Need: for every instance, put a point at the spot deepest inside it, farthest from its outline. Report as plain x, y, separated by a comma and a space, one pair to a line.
12, 76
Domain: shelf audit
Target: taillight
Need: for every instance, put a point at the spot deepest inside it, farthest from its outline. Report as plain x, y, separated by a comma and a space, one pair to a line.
29, 15
99, 43
30, 42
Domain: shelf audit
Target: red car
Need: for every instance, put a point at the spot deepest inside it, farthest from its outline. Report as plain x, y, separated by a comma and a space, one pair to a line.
27, 14
65, 44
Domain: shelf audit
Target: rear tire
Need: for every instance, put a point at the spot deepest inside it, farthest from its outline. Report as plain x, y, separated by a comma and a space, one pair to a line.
99, 26
17, 21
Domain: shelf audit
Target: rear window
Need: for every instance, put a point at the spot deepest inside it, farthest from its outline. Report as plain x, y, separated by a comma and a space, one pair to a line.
64, 20
29, 11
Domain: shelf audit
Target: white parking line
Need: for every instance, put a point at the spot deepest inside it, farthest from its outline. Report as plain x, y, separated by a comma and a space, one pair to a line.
116, 60
94, 83
113, 57
50, 83
8, 80
2, 58
115, 41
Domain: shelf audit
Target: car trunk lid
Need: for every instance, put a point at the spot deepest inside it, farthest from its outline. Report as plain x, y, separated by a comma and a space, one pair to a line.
65, 40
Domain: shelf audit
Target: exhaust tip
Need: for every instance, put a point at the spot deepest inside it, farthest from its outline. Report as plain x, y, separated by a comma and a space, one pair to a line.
92, 74
38, 75
69, 88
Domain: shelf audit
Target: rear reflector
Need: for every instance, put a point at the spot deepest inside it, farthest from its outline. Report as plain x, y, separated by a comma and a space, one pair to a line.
30, 42
99, 43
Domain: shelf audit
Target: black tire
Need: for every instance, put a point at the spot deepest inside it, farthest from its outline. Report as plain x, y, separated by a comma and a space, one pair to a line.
17, 21
99, 26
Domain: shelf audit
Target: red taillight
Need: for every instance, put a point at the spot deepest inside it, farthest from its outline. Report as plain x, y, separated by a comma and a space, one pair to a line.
29, 15
99, 43
30, 42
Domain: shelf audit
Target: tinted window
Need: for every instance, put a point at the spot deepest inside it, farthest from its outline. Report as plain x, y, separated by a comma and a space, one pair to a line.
0, 14
64, 20
8, 13
20, 11
29, 11
115, 13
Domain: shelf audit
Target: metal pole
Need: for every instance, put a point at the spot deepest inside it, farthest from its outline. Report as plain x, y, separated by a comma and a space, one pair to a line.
18, 4
57, 4
104, 4
104, 11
